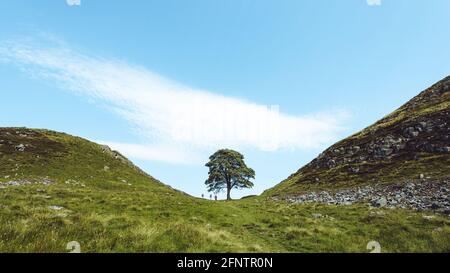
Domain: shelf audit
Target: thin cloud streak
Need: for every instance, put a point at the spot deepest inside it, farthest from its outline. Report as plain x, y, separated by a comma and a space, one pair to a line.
161, 153
374, 2
168, 113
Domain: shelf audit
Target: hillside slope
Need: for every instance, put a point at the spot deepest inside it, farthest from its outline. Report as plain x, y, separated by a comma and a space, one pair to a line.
56, 188
411, 143
33, 156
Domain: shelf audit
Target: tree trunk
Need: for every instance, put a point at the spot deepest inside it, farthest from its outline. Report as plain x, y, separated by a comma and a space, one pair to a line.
228, 194
228, 190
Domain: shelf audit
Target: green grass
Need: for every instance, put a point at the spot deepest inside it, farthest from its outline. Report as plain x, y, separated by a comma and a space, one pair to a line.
135, 220
120, 209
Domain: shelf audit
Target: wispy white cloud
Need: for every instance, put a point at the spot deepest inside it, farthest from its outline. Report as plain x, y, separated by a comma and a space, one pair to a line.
159, 152
73, 2
374, 2
177, 120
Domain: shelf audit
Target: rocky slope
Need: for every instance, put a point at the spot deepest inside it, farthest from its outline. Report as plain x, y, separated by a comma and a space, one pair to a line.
431, 195
411, 145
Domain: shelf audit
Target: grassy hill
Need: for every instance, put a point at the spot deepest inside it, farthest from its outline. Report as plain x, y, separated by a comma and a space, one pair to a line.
56, 188
410, 143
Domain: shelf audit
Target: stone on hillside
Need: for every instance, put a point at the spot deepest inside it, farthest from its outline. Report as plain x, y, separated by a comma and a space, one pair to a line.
379, 203
435, 205
55, 208
354, 169
20, 148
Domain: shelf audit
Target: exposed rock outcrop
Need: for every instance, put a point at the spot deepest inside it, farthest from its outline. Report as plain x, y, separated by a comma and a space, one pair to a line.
411, 142
419, 195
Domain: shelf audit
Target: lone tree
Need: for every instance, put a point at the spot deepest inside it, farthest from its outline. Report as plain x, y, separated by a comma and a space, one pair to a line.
227, 170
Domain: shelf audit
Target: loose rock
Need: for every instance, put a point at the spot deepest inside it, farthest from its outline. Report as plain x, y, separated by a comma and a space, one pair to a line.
418, 195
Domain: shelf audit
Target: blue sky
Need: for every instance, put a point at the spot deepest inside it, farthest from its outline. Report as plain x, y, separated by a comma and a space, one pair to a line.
169, 82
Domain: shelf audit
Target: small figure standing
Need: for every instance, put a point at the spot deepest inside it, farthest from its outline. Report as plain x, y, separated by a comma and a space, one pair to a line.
203, 196
215, 197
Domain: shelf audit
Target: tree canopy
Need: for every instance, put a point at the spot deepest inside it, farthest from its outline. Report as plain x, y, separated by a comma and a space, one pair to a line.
227, 170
